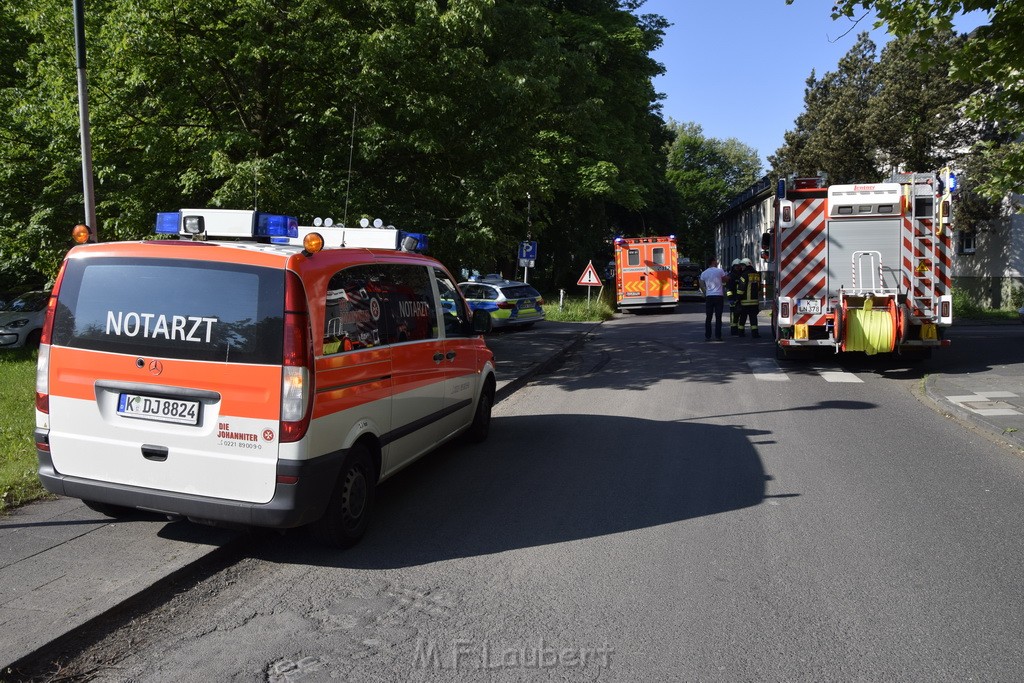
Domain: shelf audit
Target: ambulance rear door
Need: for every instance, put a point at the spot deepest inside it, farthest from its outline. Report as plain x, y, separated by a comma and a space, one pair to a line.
165, 373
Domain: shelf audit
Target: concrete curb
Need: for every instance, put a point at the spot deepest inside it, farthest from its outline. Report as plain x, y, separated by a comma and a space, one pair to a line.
928, 394
550, 363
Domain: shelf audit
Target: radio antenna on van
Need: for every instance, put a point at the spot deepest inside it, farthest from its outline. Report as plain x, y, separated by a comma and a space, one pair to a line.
255, 186
351, 147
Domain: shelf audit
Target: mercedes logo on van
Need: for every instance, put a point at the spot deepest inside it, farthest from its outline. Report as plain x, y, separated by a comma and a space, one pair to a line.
155, 367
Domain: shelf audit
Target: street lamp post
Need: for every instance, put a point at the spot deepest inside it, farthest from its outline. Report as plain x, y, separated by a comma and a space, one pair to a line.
83, 120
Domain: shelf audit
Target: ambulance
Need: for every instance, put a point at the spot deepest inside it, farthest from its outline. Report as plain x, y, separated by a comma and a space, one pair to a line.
646, 273
229, 374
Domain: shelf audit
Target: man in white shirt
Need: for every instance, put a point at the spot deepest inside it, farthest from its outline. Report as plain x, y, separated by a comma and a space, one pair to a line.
712, 283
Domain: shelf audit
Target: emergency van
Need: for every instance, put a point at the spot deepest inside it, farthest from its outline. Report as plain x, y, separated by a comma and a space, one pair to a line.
646, 273
227, 374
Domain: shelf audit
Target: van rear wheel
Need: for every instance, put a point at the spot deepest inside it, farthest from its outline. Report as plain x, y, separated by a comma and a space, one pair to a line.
348, 511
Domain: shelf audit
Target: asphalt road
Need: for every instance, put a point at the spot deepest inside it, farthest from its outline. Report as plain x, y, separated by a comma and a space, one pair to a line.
657, 508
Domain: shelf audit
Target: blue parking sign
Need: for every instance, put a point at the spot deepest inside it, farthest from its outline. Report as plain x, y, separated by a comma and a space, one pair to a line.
528, 251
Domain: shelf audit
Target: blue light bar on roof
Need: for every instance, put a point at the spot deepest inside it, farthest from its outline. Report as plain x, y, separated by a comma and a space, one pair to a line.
422, 244
167, 223
275, 225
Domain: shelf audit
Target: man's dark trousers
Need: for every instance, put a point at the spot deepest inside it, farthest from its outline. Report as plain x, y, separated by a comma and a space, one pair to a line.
713, 306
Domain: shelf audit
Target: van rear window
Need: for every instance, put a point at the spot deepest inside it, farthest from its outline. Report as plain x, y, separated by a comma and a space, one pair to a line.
192, 310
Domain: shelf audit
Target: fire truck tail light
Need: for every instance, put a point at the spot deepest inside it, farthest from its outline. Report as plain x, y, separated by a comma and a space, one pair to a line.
785, 311
946, 310
785, 213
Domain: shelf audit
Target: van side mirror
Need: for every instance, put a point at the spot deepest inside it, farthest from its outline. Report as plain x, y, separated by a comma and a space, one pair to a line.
482, 323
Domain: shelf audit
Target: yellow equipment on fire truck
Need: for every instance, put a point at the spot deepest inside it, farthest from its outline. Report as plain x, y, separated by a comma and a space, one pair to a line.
646, 273
861, 268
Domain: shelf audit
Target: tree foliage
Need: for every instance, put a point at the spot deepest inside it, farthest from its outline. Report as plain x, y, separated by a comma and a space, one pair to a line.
832, 134
901, 111
706, 173
458, 116
990, 59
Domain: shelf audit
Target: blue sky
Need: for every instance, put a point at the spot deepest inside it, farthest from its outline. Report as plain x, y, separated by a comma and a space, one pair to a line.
738, 67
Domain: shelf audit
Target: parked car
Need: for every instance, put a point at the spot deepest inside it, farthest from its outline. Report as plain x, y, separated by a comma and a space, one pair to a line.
689, 279
1020, 312
21, 320
510, 303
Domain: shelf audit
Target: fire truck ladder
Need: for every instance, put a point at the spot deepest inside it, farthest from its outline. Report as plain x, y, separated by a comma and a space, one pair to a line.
921, 297
920, 246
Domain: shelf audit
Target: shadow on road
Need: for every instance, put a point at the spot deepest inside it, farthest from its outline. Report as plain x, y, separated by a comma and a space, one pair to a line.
468, 501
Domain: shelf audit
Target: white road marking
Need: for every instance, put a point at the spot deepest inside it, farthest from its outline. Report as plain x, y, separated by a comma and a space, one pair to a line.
838, 376
767, 370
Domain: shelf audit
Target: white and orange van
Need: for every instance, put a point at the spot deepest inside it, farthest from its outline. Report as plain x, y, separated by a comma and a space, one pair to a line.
253, 380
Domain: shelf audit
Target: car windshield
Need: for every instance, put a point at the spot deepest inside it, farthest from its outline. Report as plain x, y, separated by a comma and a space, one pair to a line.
29, 303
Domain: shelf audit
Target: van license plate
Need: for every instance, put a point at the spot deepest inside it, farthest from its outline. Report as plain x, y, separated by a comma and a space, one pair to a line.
160, 409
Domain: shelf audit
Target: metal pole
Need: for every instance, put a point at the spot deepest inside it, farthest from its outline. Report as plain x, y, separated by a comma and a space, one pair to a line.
83, 121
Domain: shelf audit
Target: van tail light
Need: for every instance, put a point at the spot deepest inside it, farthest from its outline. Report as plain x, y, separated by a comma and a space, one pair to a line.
540, 301
43, 379
296, 376
506, 305
43, 363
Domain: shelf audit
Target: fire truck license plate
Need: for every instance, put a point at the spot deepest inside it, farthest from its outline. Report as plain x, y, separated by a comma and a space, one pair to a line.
808, 306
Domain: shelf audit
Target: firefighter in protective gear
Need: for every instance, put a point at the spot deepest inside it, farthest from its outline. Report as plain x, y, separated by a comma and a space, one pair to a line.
748, 291
732, 293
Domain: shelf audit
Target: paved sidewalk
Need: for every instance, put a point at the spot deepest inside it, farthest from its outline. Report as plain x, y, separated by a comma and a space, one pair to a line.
992, 400
62, 565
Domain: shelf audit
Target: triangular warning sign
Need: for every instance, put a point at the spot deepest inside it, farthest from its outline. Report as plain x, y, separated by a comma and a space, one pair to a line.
589, 277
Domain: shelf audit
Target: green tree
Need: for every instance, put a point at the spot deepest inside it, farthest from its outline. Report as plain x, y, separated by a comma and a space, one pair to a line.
914, 117
992, 56
706, 173
832, 135
459, 111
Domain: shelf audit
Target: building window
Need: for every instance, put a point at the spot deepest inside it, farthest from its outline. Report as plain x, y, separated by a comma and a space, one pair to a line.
967, 243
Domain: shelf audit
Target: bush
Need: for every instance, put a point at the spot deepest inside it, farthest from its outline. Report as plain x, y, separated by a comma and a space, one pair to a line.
578, 310
1017, 297
964, 305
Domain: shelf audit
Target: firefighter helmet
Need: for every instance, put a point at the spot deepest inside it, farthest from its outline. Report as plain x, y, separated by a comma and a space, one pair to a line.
746, 262
735, 261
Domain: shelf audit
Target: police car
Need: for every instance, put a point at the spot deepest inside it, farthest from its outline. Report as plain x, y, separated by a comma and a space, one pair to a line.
233, 373
509, 303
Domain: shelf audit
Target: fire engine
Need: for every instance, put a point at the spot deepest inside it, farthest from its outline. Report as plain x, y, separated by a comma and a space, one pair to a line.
646, 273
861, 268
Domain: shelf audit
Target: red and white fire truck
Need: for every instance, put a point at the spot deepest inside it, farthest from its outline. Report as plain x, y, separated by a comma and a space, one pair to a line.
861, 268
646, 273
